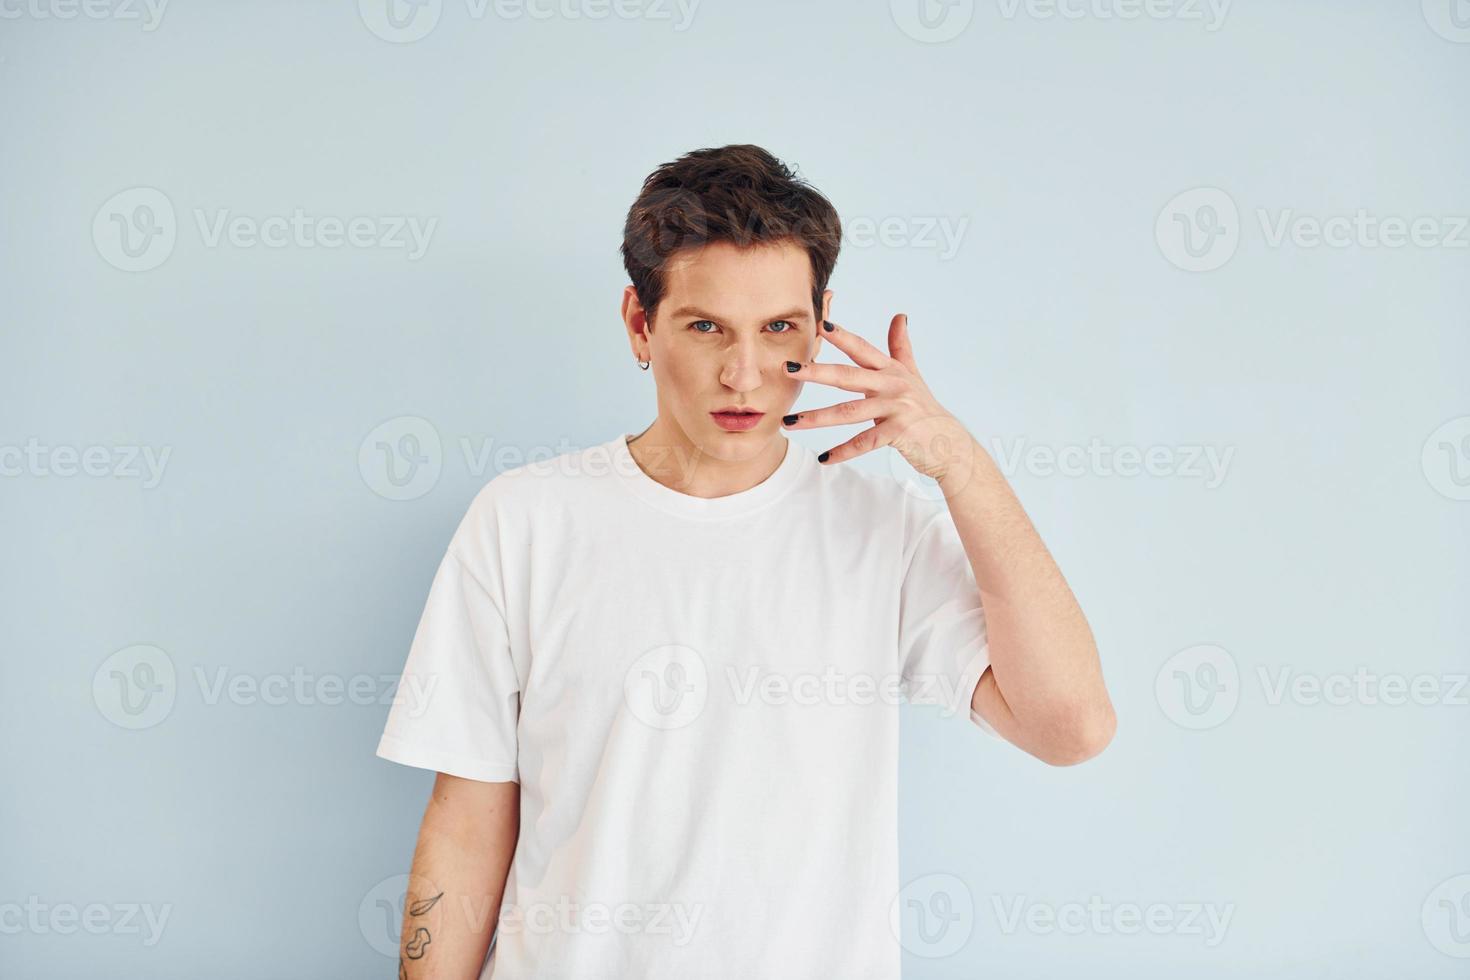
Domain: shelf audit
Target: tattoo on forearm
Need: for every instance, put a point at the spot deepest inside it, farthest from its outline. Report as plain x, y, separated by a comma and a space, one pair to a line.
418, 943
422, 906
416, 947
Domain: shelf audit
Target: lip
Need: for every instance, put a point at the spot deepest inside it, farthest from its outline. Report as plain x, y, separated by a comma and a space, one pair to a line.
730, 422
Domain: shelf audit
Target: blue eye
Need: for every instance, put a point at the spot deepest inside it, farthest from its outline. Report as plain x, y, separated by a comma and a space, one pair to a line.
696, 326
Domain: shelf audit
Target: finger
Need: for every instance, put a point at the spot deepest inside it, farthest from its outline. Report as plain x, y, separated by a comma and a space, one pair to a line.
853, 378
899, 344
865, 441
844, 413
854, 346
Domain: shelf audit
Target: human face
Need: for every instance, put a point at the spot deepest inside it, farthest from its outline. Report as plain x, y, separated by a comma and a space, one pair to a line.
729, 321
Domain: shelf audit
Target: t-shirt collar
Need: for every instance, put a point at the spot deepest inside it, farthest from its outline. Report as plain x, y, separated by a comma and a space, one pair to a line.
627, 471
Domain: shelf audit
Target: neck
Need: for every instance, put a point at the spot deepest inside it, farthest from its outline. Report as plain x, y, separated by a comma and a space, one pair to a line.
667, 454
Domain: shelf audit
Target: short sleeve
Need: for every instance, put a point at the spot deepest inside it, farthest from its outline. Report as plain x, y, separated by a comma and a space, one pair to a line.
943, 649
458, 699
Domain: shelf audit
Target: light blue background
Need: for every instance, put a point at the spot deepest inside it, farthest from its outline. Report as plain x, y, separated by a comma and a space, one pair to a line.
1060, 318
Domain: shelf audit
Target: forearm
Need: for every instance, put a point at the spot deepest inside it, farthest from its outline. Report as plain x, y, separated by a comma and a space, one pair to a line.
1044, 690
464, 850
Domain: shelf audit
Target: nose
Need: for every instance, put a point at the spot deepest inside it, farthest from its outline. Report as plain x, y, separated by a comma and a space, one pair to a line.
742, 367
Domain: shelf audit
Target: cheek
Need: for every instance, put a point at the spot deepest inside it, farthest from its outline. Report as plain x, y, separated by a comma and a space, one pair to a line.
686, 372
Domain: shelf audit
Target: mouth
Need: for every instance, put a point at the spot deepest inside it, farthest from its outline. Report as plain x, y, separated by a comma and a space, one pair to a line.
733, 418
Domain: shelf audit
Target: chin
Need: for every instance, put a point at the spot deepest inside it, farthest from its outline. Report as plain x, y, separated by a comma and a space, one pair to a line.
725, 444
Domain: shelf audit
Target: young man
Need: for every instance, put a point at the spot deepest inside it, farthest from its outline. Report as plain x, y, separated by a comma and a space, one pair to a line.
666, 667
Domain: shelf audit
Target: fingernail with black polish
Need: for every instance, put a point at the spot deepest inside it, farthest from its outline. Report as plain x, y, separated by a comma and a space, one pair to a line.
823, 458
792, 366
788, 420
827, 325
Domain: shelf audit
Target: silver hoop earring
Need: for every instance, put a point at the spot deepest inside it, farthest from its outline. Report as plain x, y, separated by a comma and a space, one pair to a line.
644, 364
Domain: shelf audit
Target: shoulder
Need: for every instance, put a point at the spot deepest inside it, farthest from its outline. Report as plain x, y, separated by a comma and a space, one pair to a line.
542, 486
886, 492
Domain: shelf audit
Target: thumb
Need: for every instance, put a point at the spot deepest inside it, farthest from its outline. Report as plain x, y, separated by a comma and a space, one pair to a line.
899, 347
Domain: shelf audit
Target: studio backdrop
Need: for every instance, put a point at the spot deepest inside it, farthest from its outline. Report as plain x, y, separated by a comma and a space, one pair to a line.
283, 284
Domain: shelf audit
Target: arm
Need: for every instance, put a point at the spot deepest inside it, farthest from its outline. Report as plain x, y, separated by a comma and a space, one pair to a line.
465, 844
1044, 688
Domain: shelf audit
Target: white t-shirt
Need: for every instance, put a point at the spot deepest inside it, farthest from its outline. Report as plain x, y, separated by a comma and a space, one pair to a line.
698, 699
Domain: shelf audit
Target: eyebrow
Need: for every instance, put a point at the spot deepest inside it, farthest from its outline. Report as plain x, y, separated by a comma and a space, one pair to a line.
683, 311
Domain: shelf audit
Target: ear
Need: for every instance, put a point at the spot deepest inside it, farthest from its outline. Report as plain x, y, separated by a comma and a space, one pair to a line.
635, 321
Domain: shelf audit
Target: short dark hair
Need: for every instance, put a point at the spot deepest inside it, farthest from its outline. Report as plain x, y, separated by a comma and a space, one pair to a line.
739, 194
